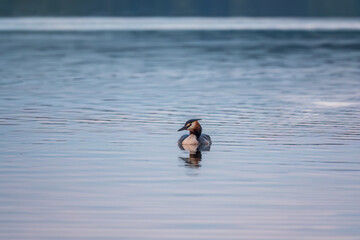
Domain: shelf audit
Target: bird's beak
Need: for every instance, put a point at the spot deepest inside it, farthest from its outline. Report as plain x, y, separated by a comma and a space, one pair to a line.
183, 128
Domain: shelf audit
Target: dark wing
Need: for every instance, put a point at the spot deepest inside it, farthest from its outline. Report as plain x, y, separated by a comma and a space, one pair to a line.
204, 147
205, 139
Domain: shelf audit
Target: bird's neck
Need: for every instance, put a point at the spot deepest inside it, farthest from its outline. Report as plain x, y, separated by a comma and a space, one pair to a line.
196, 131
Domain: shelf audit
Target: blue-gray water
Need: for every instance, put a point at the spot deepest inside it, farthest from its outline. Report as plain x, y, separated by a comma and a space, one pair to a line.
88, 124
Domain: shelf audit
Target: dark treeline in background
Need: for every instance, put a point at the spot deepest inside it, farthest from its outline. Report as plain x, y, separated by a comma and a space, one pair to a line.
340, 8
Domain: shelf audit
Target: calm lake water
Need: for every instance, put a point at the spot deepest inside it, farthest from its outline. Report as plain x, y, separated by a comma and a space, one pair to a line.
88, 121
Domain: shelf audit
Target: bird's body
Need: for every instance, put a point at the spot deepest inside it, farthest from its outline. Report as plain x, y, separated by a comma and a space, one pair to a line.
195, 137
191, 139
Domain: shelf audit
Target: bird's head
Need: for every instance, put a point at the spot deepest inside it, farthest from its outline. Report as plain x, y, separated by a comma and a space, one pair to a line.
191, 125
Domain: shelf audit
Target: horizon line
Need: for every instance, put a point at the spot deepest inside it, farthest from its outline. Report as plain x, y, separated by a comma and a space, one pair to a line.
111, 23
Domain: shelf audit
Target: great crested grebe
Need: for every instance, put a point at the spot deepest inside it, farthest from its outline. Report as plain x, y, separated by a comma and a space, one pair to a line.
195, 137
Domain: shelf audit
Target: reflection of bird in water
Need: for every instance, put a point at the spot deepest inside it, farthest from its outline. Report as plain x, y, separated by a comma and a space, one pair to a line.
194, 143
195, 137
195, 156
194, 159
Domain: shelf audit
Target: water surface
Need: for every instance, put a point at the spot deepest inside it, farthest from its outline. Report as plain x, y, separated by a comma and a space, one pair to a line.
88, 124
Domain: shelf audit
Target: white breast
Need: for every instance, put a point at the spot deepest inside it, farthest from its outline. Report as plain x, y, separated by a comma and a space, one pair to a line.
190, 140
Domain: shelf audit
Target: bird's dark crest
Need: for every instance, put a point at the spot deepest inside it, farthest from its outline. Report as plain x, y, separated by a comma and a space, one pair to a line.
192, 120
